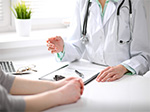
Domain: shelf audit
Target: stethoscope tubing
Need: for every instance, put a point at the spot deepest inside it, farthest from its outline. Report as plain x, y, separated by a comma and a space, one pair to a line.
130, 20
86, 19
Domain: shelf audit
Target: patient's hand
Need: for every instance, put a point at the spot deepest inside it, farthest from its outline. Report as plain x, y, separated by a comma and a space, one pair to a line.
65, 81
70, 92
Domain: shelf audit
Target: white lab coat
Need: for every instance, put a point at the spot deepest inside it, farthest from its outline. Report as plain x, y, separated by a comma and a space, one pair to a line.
104, 47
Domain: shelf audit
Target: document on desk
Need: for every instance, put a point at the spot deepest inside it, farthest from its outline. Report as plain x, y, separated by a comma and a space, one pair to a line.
87, 71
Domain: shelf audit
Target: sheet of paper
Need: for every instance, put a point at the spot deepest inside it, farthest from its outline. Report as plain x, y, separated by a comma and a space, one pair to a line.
87, 68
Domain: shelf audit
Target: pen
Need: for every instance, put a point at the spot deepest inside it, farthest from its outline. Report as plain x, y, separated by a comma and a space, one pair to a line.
91, 79
54, 71
79, 73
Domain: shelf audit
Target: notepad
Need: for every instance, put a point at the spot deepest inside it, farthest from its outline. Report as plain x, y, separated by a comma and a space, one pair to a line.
90, 71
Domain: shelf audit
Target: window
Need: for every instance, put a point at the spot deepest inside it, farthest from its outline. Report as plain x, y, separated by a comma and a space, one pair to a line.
4, 15
50, 12
46, 13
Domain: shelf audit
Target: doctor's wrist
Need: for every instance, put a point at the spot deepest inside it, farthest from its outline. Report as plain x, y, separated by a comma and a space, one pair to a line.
124, 69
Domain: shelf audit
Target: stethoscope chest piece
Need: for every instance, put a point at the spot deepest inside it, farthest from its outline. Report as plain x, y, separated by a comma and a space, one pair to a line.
84, 39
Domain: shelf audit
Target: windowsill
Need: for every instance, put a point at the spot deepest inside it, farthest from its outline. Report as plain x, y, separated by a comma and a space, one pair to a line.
11, 40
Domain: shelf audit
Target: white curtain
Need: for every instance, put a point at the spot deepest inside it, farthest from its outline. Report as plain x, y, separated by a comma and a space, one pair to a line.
4, 13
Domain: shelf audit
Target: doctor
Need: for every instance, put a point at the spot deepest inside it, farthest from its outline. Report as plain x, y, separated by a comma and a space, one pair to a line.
117, 36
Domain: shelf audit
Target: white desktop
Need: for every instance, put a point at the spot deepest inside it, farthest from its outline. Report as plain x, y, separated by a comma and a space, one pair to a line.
131, 93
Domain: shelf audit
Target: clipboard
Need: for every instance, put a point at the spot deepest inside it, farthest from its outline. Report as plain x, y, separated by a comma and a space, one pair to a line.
90, 71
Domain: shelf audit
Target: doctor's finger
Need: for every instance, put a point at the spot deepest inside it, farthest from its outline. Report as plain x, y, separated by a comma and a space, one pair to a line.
51, 39
115, 77
57, 38
102, 72
52, 48
51, 45
106, 69
107, 77
54, 51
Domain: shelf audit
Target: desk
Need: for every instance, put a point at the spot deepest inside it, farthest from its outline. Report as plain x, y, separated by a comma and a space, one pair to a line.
128, 94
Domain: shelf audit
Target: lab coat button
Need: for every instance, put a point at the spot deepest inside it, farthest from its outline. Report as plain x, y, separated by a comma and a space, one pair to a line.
121, 41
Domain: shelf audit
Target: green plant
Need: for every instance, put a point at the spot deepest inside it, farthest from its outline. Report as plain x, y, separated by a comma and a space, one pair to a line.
21, 11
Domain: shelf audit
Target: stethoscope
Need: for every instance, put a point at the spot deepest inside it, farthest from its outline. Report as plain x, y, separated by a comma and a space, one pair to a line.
84, 38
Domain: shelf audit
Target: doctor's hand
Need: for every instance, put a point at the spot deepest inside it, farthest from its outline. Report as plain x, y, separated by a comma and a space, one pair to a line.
55, 44
111, 73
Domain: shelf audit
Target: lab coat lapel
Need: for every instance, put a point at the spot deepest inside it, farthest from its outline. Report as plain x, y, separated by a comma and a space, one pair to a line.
110, 10
95, 14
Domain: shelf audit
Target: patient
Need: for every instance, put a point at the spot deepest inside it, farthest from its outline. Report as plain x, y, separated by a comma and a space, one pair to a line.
37, 95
